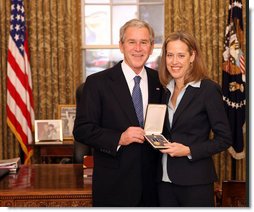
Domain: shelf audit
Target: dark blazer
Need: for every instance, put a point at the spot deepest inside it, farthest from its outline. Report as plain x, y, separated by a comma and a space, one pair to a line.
200, 110
105, 111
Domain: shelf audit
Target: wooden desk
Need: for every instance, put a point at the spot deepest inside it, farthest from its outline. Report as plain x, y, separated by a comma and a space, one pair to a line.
49, 152
47, 185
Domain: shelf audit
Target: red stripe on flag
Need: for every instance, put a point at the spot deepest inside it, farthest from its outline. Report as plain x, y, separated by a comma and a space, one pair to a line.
28, 60
16, 125
23, 78
242, 64
22, 106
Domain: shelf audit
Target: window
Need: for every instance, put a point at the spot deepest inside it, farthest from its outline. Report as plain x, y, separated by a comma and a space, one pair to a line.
101, 21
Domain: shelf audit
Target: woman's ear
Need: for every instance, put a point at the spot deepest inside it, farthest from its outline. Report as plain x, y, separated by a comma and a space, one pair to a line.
193, 55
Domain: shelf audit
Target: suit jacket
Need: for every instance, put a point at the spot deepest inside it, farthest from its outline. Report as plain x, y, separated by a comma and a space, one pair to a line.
200, 111
105, 111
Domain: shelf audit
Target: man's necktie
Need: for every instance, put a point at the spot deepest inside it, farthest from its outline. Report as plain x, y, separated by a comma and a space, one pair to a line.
137, 100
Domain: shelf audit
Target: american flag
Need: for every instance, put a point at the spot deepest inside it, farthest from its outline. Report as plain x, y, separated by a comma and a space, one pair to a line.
233, 81
20, 108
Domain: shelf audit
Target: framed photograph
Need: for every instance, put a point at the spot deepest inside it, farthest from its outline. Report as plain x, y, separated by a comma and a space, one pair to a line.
67, 114
48, 131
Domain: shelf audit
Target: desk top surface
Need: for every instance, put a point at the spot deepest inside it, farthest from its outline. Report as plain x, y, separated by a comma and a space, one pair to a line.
52, 143
45, 178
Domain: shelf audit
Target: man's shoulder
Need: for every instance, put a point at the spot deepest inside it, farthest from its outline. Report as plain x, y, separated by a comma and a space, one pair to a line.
105, 72
152, 73
151, 69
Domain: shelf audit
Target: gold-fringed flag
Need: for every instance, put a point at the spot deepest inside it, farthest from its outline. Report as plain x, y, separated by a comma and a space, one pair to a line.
233, 77
20, 109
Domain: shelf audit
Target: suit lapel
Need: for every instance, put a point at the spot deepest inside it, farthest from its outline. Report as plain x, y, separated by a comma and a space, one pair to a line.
165, 99
153, 89
120, 89
188, 96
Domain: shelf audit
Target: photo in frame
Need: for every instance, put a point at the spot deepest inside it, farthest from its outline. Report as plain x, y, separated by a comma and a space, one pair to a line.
48, 131
67, 114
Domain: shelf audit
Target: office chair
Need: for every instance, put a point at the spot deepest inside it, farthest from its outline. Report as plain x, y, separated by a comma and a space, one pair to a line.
80, 149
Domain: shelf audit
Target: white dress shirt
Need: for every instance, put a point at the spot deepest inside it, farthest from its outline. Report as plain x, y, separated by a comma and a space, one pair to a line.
129, 75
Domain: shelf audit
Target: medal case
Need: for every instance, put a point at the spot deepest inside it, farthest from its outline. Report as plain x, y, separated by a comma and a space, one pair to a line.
154, 121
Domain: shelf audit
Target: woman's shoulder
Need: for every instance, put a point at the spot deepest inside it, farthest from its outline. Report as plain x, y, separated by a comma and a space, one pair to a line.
209, 83
210, 88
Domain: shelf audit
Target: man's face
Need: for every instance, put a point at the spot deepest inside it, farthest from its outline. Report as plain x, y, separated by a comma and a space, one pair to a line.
136, 47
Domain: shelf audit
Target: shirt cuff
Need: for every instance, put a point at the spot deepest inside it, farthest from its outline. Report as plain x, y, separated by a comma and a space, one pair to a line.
118, 147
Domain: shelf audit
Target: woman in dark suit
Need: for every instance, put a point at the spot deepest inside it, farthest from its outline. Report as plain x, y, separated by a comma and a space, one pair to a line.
195, 108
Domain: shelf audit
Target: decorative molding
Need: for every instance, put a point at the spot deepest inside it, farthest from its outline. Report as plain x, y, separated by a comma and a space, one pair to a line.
46, 201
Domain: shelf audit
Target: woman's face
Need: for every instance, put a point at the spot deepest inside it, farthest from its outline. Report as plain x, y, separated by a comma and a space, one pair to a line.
178, 59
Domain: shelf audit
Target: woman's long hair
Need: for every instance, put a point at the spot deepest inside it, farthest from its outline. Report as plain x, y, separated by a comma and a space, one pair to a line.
198, 69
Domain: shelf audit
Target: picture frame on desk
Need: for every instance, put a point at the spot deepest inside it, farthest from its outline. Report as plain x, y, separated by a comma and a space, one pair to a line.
67, 113
48, 131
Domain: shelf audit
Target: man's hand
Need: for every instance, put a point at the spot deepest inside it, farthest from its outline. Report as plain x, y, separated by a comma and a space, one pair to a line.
132, 134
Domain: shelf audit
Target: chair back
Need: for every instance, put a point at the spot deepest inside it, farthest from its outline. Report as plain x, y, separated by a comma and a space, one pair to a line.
80, 150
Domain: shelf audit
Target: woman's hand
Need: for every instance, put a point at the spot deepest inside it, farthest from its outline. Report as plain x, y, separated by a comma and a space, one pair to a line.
176, 150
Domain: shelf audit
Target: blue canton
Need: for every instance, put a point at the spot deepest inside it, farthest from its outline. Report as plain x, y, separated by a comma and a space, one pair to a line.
17, 27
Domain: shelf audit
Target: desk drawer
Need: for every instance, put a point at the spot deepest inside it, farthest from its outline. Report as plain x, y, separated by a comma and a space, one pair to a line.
56, 151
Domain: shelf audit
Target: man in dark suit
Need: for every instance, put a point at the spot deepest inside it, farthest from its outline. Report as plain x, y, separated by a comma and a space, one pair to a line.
107, 120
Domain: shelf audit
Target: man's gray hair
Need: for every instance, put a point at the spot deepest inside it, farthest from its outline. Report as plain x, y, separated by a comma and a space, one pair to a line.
139, 24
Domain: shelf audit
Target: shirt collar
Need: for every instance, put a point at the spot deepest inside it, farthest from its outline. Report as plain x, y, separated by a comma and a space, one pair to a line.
130, 74
170, 86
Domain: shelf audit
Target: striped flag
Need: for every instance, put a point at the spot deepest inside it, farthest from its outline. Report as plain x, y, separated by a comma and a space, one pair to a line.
233, 81
20, 108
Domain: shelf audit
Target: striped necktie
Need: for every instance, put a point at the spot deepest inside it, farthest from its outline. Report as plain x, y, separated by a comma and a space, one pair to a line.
137, 100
